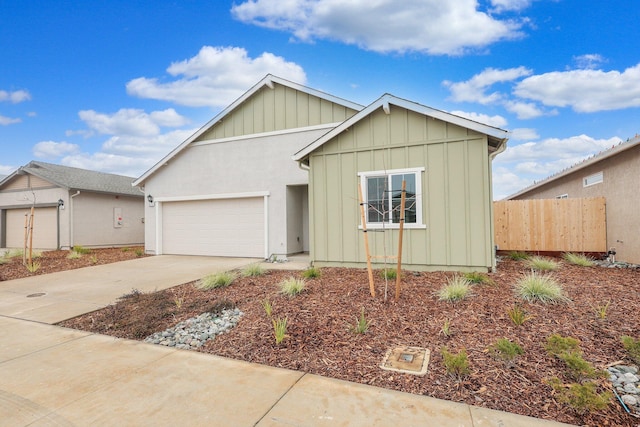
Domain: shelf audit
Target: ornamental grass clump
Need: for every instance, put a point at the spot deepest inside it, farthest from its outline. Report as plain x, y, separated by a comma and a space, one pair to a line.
311, 273
389, 273
74, 255
543, 288
217, 280
478, 278
456, 289
80, 249
518, 256
632, 346
292, 286
518, 315
253, 270
539, 263
362, 324
578, 259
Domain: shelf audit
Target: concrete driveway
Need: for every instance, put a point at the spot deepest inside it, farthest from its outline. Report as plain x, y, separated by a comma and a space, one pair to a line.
52, 298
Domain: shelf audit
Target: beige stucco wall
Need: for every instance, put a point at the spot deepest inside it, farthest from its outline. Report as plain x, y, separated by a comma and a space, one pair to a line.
94, 223
456, 202
620, 187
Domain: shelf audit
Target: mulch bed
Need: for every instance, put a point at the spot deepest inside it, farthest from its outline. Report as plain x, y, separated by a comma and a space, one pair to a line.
54, 261
321, 340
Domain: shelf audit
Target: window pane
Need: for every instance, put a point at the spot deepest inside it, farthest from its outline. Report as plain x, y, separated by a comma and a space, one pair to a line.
376, 194
410, 208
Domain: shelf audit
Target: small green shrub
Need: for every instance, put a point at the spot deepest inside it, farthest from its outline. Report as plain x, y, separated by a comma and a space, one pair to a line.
139, 252
80, 249
578, 368
517, 315
506, 350
94, 259
578, 259
126, 249
36, 254
456, 289
362, 324
557, 345
478, 278
456, 365
446, 328
217, 280
253, 270
4, 260
632, 346
539, 263
389, 273
292, 286
518, 256
280, 329
601, 310
33, 266
581, 397
311, 273
74, 255
268, 308
536, 287
14, 253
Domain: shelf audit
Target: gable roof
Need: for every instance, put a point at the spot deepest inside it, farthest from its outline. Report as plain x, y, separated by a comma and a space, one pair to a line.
497, 136
78, 179
268, 81
613, 151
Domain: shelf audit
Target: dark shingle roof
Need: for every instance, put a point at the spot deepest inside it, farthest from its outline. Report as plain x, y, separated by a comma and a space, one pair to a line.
82, 179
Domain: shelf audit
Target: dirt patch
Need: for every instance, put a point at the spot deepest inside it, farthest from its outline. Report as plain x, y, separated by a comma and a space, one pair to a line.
321, 341
54, 261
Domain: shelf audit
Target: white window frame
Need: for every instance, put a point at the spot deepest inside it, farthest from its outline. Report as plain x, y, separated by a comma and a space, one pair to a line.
594, 179
562, 196
419, 201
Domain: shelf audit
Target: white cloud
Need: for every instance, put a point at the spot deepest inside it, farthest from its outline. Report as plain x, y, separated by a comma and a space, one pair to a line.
129, 121
53, 150
522, 134
523, 164
524, 110
589, 61
15, 97
435, 27
111, 163
501, 5
7, 170
5, 121
473, 90
495, 121
585, 91
215, 77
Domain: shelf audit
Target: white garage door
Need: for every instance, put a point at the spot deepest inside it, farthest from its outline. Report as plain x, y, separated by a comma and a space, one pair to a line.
45, 228
225, 227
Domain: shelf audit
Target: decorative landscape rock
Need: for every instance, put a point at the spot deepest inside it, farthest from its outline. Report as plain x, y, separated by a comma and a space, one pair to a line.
194, 332
627, 384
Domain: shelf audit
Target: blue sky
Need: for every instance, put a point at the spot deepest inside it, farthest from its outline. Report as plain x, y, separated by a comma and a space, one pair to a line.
114, 86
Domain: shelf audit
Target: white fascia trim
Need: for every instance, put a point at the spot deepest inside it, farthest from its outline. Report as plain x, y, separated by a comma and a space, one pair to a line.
266, 134
391, 171
212, 196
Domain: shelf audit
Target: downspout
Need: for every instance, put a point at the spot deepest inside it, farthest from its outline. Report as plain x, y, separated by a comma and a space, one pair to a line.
71, 210
501, 148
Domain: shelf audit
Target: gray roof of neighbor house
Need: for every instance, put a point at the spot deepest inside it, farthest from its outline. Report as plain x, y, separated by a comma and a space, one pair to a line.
79, 179
613, 151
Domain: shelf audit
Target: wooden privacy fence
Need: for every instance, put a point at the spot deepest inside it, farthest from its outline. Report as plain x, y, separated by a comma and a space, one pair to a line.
563, 225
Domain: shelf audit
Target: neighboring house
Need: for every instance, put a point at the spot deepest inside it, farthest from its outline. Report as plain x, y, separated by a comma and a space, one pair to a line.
613, 174
446, 163
232, 188
72, 207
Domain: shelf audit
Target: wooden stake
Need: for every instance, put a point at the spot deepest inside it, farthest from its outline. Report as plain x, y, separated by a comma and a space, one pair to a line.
402, 204
31, 236
26, 236
372, 288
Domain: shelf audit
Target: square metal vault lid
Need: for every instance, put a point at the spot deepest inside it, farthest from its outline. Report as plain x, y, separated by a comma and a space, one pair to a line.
408, 360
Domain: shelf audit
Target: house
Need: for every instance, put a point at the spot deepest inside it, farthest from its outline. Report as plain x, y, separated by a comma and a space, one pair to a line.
232, 189
613, 174
72, 207
446, 163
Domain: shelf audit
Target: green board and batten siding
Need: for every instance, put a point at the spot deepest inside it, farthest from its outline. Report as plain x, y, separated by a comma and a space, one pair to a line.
277, 109
456, 192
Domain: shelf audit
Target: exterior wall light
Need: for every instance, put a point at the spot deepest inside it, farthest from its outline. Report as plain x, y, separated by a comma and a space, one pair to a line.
60, 204
150, 199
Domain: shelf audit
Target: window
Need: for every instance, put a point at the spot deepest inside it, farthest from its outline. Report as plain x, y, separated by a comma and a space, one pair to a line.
382, 193
562, 196
596, 178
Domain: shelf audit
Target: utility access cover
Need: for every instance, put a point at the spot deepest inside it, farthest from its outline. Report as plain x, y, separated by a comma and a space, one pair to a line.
408, 360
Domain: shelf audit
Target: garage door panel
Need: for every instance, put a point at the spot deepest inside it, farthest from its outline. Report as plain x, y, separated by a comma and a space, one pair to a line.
228, 227
45, 228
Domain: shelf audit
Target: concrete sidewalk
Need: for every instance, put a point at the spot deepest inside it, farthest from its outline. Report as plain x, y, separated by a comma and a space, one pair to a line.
52, 376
